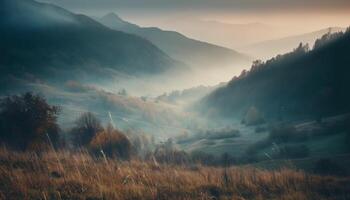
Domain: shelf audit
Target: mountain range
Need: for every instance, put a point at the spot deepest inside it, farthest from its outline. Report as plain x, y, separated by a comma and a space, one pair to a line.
39, 38
196, 53
227, 34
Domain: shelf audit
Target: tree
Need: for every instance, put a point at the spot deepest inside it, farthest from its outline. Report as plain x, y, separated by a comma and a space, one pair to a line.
86, 127
26, 121
301, 49
327, 38
256, 64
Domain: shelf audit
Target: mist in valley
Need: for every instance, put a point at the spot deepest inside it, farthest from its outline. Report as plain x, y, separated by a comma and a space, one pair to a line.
214, 89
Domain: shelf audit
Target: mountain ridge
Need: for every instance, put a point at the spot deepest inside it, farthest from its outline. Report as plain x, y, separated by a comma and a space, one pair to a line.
61, 38
178, 46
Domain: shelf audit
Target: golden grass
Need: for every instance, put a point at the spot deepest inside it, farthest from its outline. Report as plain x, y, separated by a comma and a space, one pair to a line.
30, 176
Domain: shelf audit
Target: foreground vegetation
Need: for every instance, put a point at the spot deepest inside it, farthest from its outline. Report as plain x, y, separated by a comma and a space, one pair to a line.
67, 175
91, 161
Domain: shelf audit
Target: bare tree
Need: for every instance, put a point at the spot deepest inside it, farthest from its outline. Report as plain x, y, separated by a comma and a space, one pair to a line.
86, 127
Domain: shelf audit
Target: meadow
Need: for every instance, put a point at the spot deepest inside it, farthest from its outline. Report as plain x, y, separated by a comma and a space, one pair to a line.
78, 175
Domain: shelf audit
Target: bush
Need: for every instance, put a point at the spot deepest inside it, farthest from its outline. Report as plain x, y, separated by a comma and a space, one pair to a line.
86, 127
113, 143
26, 121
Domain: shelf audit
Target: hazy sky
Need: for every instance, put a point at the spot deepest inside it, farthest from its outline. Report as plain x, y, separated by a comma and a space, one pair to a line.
290, 16
216, 9
212, 5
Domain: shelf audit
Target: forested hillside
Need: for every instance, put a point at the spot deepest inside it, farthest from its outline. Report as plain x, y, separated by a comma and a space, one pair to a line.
303, 83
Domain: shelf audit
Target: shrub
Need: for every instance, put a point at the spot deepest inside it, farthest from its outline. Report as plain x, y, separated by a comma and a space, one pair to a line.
113, 143
86, 127
26, 120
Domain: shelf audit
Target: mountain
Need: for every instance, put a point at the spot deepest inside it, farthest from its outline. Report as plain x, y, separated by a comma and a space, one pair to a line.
296, 85
39, 38
270, 48
231, 35
178, 46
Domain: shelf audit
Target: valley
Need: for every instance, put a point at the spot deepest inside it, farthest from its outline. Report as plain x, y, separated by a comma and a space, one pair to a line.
97, 106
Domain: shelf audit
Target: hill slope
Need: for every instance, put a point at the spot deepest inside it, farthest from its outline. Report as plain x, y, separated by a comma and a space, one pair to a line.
37, 36
178, 46
299, 84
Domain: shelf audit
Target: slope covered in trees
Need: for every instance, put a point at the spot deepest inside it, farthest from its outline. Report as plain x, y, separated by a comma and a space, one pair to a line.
299, 84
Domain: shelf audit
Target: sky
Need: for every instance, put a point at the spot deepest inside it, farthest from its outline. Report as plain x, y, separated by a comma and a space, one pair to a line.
209, 5
286, 17
267, 11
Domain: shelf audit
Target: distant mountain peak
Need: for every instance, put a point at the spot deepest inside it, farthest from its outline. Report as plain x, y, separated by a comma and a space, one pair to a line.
115, 22
113, 16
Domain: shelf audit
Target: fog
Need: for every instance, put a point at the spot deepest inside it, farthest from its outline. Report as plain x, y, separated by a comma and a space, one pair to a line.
156, 85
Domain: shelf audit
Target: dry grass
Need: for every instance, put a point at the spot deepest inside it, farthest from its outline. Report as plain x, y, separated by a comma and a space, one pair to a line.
79, 176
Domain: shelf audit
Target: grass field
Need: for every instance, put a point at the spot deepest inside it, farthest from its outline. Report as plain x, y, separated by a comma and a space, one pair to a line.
309, 143
68, 175
234, 146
